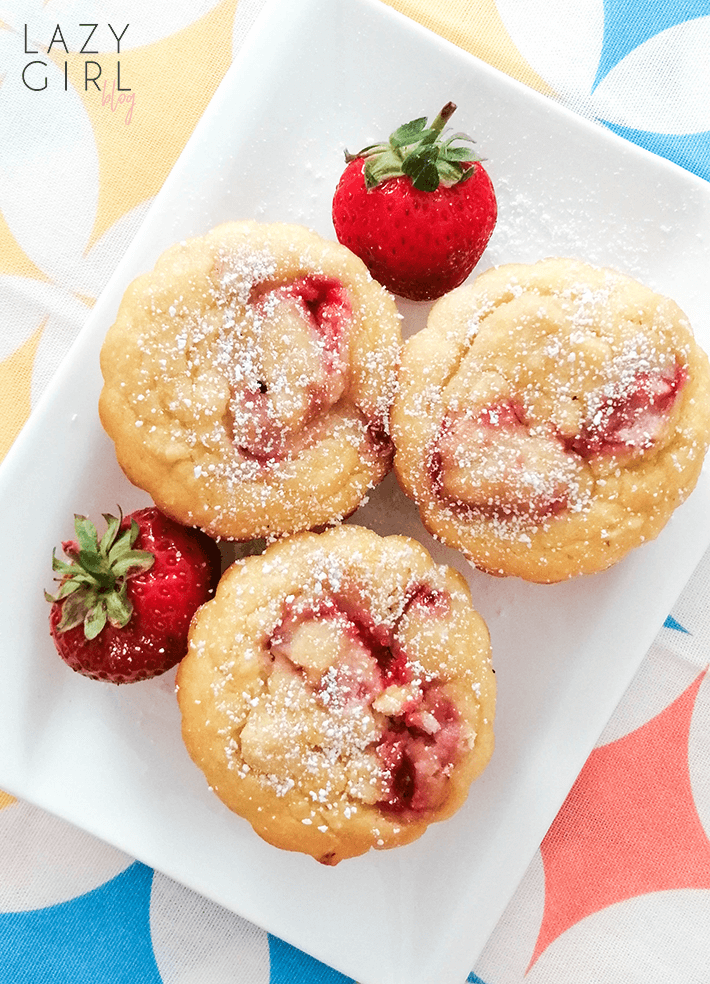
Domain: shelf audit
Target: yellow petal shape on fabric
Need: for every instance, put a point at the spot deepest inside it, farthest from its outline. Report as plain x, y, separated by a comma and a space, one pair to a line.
6, 800
16, 389
141, 131
13, 259
475, 26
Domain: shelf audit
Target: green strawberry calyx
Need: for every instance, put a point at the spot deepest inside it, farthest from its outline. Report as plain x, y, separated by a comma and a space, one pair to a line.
93, 584
420, 153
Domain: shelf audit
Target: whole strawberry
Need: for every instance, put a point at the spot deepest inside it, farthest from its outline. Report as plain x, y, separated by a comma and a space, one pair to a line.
418, 211
125, 602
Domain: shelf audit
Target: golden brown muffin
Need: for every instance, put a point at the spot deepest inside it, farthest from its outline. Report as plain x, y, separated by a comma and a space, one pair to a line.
248, 380
338, 692
550, 418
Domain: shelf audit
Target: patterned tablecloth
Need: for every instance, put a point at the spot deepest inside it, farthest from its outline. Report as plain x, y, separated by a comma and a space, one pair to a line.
620, 887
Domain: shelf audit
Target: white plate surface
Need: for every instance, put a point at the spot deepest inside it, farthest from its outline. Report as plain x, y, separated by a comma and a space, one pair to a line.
316, 76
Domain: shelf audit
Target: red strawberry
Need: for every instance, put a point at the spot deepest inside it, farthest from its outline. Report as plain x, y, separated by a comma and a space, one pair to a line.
418, 211
124, 604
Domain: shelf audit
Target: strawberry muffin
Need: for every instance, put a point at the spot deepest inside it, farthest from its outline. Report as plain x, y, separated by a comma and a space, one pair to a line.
550, 418
248, 381
338, 692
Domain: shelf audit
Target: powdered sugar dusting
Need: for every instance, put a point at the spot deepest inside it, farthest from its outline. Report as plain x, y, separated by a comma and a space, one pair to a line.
596, 369
262, 369
357, 662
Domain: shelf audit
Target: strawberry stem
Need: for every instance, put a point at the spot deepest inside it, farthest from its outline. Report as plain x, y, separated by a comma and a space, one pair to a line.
444, 116
418, 152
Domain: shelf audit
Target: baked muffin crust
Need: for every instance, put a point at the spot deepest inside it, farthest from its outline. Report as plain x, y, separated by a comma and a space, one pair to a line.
338, 692
550, 418
248, 380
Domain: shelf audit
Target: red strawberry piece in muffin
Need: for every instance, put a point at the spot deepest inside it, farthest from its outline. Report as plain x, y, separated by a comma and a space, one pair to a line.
630, 414
301, 368
492, 461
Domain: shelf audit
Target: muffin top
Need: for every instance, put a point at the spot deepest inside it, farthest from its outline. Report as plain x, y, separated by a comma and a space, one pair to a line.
248, 380
551, 417
338, 692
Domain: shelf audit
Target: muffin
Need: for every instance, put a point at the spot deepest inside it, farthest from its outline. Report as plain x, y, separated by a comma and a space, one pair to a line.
550, 418
248, 380
338, 692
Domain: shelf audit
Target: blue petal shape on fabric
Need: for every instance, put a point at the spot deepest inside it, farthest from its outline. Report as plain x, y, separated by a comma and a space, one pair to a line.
291, 966
690, 150
628, 23
102, 936
670, 623
473, 979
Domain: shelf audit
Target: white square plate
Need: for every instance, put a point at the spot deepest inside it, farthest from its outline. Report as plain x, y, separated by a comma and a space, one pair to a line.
316, 76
